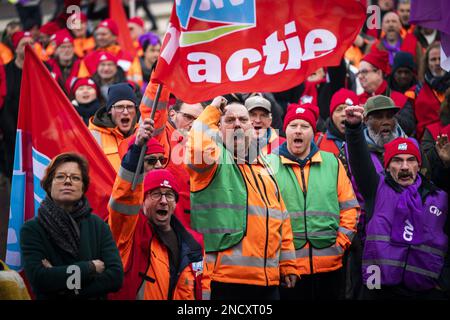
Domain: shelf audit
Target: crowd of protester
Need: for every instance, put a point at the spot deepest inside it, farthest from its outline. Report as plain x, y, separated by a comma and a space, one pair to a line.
297, 194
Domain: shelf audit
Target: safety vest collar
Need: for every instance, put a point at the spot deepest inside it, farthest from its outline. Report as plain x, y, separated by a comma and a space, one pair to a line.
317, 158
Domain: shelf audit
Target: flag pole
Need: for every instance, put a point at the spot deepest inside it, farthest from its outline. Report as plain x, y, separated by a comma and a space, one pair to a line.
144, 147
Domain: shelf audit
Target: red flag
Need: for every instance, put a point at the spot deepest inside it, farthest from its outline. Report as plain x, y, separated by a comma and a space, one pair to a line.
49, 125
117, 13
213, 48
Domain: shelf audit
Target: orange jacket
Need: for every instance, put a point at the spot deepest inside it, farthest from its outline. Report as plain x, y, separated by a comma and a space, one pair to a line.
328, 259
6, 55
174, 145
109, 139
144, 256
266, 251
83, 46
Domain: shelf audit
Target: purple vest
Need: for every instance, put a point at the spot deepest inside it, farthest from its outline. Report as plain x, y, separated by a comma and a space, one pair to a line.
415, 259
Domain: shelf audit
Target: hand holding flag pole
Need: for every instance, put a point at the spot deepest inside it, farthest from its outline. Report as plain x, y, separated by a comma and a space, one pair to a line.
144, 147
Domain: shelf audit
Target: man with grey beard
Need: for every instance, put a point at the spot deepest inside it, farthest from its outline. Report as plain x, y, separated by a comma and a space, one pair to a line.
381, 127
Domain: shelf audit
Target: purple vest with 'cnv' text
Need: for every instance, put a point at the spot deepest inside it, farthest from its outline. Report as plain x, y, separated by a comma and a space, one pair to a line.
417, 258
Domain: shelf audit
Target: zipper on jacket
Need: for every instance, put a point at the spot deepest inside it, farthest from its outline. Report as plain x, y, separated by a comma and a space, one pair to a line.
406, 264
304, 216
267, 225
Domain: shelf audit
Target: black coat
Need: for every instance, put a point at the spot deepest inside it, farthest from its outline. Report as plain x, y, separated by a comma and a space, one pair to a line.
96, 242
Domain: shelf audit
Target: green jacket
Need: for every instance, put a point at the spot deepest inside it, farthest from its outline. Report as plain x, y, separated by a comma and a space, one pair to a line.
51, 283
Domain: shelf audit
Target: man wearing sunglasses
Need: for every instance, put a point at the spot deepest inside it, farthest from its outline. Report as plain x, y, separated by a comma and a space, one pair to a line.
115, 122
162, 260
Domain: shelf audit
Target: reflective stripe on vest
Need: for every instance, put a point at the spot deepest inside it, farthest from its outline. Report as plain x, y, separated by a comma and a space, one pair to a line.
219, 211
395, 263
322, 205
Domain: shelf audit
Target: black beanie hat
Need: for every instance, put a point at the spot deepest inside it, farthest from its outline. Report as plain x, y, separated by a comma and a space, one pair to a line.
403, 59
120, 91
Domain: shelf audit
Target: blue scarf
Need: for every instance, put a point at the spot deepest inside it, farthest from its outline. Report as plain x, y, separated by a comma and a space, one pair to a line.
283, 151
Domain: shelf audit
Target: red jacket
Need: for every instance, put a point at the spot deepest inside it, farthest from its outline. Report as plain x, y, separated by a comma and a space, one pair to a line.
399, 98
57, 73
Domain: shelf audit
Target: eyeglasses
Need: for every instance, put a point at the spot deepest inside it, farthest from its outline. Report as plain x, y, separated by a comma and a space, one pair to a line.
62, 177
170, 196
365, 72
153, 160
188, 117
121, 107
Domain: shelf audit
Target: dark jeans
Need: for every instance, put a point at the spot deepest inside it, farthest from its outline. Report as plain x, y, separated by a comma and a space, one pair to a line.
234, 291
318, 286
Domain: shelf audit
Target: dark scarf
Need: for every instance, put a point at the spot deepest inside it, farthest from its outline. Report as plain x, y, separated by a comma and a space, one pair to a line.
63, 227
87, 110
440, 84
283, 151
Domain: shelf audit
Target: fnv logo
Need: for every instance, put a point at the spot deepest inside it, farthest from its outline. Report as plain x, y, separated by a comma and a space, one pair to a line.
348, 102
408, 231
435, 210
231, 15
403, 146
300, 110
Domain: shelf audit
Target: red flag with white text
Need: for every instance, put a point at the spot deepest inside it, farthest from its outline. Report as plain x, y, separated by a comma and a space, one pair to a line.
218, 47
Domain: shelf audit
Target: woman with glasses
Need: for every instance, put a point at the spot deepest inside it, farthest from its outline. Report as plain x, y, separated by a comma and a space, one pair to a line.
162, 261
68, 251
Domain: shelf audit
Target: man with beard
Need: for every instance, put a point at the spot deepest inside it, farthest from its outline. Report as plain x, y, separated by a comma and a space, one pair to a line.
236, 204
403, 75
162, 260
373, 69
115, 122
429, 93
405, 239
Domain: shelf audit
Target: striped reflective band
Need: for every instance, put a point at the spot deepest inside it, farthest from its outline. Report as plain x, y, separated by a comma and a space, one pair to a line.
209, 206
128, 175
206, 295
287, 255
348, 204
349, 233
302, 235
242, 261
149, 103
421, 247
124, 208
97, 136
400, 264
334, 250
315, 214
262, 211
216, 230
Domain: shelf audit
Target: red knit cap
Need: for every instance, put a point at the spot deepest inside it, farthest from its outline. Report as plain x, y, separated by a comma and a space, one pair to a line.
62, 36
306, 111
19, 35
379, 59
50, 28
343, 96
109, 24
160, 178
153, 145
401, 146
138, 21
105, 56
83, 82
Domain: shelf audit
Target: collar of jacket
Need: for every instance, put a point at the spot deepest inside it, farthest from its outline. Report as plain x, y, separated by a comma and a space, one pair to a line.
332, 132
103, 120
288, 158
